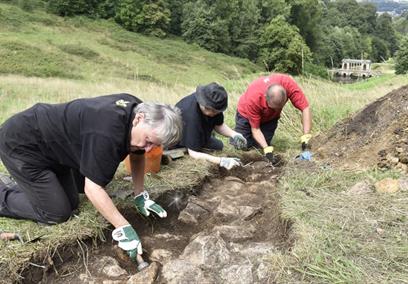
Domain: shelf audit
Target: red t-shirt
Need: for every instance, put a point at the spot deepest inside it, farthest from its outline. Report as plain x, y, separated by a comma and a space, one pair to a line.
252, 104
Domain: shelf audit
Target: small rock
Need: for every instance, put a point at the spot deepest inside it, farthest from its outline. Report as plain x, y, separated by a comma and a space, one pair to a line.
248, 212
146, 276
392, 159
399, 150
236, 179
191, 213
403, 184
237, 274
362, 187
263, 272
226, 210
161, 255
112, 282
207, 251
252, 250
110, 267
380, 231
236, 233
402, 167
387, 185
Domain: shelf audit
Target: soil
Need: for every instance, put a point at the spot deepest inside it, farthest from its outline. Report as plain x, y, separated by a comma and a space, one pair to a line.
375, 136
259, 188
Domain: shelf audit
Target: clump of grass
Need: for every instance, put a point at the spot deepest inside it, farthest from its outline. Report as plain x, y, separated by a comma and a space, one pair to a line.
342, 238
78, 50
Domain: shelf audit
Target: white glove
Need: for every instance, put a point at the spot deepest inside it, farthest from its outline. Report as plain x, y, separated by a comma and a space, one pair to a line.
229, 163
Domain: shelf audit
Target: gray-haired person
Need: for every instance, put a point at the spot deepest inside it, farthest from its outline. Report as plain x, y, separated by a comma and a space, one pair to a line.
56, 151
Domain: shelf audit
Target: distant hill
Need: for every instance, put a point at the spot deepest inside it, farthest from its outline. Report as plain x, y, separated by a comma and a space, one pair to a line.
392, 7
37, 44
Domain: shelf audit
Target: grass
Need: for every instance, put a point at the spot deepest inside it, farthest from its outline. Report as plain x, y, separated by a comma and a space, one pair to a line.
50, 59
342, 238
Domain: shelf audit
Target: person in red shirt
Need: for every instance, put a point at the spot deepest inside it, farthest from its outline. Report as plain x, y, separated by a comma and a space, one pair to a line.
259, 110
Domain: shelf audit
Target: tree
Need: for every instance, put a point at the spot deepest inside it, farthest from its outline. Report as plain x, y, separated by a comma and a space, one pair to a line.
150, 17
202, 25
385, 31
244, 28
153, 18
282, 48
72, 7
306, 15
401, 57
380, 51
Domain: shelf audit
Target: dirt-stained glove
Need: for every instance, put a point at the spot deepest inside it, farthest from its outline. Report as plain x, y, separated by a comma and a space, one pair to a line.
128, 240
239, 141
304, 139
229, 163
144, 205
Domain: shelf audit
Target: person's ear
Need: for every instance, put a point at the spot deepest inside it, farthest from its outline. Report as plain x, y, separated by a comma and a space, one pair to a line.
139, 117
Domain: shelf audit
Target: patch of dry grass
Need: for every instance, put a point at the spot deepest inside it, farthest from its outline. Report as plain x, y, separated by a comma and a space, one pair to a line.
341, 237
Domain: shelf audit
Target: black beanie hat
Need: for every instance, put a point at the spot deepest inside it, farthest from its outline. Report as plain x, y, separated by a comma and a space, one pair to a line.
212, 96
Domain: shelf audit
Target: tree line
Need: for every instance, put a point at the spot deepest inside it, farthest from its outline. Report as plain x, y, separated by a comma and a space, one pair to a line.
293, 36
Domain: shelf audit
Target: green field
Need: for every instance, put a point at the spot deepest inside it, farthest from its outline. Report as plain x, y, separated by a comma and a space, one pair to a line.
45, 58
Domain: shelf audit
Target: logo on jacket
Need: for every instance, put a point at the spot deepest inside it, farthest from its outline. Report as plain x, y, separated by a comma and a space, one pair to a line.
122, 103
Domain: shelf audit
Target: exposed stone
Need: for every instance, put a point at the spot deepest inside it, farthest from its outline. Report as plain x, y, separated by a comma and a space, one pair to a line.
260, 165
252, 250
161, 255
207, 251
403, 184
191, 213
110, 267
236, 233
85, 278
237, 274
232, 178
183, 271
226, 210
146, 276
387, 185
112, 282
362, 187
263, 272
248, 212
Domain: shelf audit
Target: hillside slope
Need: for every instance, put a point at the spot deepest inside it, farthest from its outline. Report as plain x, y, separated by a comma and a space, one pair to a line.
44, 45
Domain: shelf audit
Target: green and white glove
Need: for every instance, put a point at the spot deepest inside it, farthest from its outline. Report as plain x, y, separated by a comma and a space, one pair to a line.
239, 141
128, 240
144, 205
229, 163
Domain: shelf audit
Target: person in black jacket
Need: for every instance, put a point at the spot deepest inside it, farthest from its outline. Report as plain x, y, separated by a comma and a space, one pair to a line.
202, 113
56, 151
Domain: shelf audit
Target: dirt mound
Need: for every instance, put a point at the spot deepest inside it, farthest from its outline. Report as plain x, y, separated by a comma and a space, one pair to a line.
375, 136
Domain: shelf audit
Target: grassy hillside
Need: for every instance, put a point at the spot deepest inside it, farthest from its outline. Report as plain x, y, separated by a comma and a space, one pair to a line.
51, 59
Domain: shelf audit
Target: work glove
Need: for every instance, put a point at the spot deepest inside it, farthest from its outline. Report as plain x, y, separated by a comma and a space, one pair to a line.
304, 139
229, 163
239, 141
268, 153
128, 240
144, 205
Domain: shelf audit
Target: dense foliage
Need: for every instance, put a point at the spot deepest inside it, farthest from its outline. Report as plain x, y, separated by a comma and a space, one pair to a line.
283, 35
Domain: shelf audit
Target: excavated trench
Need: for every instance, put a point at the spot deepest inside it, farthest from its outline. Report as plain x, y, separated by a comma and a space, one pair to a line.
220, 232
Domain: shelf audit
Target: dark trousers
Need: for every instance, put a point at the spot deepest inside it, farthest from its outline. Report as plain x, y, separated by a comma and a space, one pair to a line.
242, 126
44, 194
214, 144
